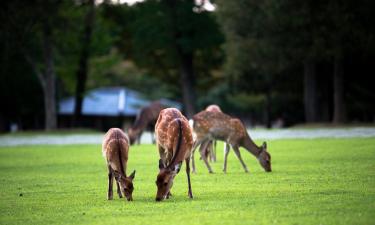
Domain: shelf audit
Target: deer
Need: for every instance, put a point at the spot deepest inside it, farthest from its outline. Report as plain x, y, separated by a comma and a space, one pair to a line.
146, 117
115, 149
220, 126
174, 141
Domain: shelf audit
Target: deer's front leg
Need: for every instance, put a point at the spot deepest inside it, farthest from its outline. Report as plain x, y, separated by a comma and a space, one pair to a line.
202, 150
110, 184
238, 154
190, 193
118, 190
226, 152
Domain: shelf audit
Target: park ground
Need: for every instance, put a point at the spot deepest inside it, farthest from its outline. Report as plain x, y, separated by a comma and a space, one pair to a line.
314, 181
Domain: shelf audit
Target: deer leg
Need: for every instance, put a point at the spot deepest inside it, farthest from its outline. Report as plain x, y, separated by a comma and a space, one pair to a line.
152, 137
226, 152
139, 138
110, 184
202, 150
213, 153
196, 144
190, 193
238, 154
208, 151
118, 190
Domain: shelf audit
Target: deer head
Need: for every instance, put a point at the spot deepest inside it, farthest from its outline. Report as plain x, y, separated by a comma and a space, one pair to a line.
164, 180
265, 158
126, 184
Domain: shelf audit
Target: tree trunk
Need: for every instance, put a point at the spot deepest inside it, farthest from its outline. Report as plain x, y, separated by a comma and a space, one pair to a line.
185, 61
310, 93
48, 80
82, 70
339, 109
187, 83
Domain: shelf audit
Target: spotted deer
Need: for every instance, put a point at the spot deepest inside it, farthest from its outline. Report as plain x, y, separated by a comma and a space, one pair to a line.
217, 125
146, 117
174, 140
115, 150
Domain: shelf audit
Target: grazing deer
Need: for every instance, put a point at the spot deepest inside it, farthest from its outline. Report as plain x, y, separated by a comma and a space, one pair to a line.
174, 140
115, 150
216, 125
145, 118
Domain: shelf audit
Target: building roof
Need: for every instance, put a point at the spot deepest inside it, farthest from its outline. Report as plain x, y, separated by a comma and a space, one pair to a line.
110, 101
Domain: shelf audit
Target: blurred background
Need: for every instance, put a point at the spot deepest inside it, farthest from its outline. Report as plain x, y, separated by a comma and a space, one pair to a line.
272, 63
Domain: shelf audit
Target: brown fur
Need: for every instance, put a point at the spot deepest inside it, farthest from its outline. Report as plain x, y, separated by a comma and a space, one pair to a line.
115, 149
147, 116
174, 140
217, 125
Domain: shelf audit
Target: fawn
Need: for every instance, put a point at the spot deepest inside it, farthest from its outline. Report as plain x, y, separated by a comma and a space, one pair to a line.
115, 149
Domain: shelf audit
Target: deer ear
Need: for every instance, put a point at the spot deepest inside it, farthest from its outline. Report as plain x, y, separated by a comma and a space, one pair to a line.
264, 146
161, 164
132, 175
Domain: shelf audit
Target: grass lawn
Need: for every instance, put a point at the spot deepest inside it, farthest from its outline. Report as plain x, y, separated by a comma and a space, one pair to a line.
323, 181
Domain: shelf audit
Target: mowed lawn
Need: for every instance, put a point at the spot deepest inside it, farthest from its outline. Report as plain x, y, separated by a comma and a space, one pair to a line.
323, 181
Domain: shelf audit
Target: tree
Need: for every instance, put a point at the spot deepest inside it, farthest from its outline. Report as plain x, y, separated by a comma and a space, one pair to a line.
82, 71
32, 27
169, 39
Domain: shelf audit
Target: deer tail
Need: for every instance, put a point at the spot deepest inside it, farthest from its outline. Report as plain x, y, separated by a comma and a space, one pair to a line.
178, 145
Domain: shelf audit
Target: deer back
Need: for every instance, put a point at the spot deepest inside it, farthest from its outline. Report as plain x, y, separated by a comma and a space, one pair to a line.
173, 131
214, 124
213, 108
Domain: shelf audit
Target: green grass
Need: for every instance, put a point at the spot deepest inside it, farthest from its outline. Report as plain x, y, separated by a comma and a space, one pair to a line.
325, 181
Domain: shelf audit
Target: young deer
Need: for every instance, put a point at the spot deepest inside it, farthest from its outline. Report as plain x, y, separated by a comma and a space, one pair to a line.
174, 140
146, 117
216, 125
115, 150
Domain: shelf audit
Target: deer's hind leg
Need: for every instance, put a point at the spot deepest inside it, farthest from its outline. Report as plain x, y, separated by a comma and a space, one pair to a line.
198, 141
202, 150
110, 183
190, 193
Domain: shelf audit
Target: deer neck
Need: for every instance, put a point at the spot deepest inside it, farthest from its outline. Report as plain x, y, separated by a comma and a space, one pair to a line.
251, 146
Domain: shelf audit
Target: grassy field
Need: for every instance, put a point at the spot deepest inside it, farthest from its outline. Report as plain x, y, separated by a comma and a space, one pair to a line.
325, 181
